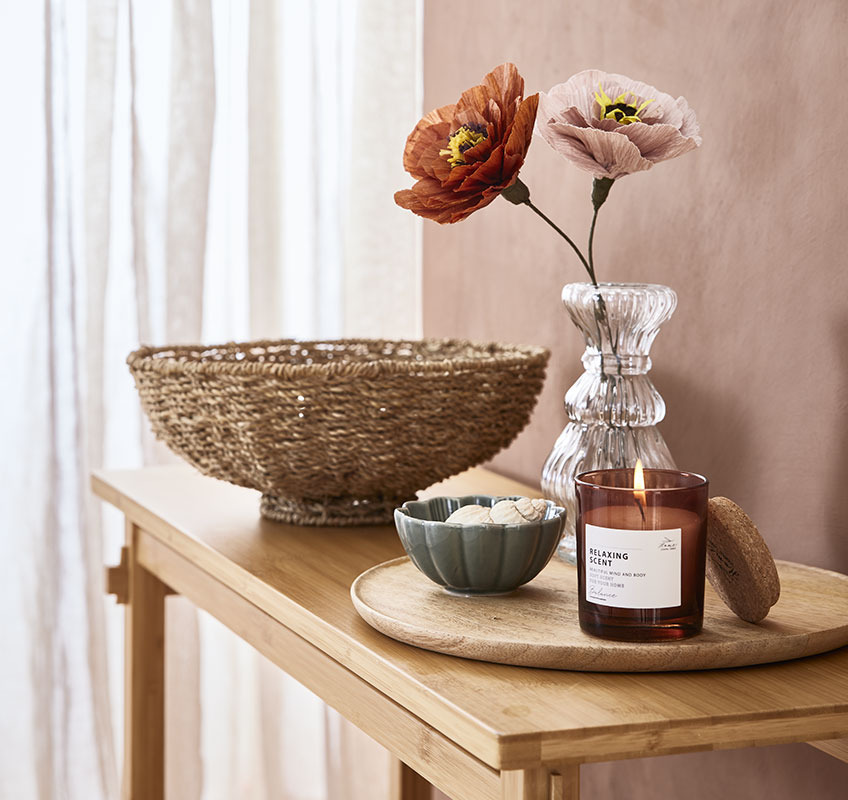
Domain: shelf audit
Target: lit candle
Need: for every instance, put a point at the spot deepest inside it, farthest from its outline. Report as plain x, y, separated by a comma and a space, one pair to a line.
641, 548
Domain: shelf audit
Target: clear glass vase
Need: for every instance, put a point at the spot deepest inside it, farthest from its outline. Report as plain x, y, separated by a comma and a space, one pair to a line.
613, 408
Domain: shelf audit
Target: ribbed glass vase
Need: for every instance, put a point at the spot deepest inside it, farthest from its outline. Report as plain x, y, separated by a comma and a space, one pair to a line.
613, 408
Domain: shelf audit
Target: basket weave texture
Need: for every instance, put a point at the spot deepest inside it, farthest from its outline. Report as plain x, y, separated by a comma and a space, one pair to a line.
338, 432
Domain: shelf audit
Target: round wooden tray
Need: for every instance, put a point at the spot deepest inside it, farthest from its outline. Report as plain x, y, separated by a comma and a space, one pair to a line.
536, 626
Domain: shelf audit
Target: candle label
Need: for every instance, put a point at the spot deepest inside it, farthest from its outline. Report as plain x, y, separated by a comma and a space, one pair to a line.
632, 569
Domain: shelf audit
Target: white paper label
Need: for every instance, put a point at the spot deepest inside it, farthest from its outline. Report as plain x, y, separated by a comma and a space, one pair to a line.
632, 569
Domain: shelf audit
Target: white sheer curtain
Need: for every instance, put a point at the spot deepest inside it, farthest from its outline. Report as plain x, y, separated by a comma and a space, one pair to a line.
176, 171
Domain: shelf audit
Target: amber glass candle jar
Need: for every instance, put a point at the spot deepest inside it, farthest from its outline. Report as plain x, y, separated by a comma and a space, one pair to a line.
641, 549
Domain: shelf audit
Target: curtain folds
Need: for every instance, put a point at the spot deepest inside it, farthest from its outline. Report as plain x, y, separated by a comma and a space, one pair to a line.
183, 171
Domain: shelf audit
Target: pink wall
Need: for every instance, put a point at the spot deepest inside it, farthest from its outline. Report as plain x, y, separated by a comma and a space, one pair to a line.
750, 230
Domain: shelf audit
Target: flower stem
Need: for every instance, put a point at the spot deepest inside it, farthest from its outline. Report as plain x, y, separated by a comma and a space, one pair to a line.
600, 305
567, 238
591, 244
600, 191
519, 195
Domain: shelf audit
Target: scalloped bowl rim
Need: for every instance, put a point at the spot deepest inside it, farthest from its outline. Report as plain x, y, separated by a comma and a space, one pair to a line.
553, 509
425, 541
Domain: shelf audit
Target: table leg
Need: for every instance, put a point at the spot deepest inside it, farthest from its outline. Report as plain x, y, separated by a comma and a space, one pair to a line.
406, 783
540, 784
565, 783
144, 681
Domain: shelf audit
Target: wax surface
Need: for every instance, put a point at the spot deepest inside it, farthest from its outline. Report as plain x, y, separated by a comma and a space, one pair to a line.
628, 517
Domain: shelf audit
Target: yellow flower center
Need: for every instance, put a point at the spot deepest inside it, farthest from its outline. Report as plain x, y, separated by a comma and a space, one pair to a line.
622, 110
463, 139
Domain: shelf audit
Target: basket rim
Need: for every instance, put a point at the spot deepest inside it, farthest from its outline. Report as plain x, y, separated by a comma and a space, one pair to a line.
144, 358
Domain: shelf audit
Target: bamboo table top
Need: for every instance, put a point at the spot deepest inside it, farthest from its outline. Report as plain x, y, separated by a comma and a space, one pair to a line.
508, 717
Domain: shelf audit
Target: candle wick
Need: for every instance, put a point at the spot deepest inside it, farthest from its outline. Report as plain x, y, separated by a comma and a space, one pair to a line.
641, 508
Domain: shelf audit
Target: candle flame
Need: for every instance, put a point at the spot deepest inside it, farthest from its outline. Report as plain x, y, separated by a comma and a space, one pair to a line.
639, 483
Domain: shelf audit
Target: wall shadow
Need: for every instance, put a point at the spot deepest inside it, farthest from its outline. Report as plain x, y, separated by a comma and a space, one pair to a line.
836, 534
706, 433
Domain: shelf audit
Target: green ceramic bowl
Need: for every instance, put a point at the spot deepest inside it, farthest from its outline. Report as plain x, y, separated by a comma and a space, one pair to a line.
476, 559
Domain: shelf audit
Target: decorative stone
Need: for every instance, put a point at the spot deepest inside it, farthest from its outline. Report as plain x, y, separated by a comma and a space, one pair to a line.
470, 515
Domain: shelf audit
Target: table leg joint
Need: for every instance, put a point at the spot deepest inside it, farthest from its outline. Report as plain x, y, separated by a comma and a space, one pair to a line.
118, 579
541, 784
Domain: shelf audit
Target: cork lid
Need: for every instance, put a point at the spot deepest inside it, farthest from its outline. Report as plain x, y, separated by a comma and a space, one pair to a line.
740, 566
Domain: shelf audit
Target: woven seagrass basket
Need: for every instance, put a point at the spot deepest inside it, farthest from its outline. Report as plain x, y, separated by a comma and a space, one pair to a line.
338, 432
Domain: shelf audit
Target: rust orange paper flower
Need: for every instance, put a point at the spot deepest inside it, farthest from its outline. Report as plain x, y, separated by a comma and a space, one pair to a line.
613, 126
464, 155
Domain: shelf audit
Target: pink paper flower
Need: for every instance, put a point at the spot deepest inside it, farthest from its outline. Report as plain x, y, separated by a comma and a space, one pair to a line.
613, 126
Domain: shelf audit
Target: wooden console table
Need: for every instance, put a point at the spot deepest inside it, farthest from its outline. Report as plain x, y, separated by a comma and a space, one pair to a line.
477, 731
